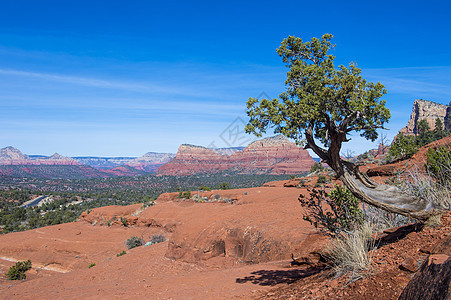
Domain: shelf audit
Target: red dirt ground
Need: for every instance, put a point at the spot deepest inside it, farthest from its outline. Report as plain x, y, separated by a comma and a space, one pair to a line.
211, 249
237, 246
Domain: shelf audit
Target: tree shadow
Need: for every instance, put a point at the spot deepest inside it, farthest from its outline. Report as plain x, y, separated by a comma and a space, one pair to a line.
274, 277
396, 234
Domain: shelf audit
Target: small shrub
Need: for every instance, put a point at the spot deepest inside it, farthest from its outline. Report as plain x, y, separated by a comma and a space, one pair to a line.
292, 177
91, 265
204, 188
321, 179
124, 221
185, 195
121, 253
134, 242
439, 164
343, 213
224, 186
157, 238
17, 272
316, 167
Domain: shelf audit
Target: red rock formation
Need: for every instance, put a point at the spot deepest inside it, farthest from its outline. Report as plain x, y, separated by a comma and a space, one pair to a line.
275, 155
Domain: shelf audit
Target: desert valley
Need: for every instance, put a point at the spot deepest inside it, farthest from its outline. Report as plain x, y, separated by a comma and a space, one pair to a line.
225, 150
239, 234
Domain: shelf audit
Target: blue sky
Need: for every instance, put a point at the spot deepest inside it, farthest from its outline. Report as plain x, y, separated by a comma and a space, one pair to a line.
122, 78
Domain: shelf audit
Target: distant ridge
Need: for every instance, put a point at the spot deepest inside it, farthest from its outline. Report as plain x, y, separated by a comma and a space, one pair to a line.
273, 155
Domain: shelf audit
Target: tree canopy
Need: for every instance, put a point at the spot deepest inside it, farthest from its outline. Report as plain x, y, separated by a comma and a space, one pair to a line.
321, 101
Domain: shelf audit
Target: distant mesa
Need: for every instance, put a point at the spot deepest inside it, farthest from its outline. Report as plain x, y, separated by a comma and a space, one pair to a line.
13, 156
273, 155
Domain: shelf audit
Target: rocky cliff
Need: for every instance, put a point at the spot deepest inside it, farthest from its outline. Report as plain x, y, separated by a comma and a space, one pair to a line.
428, 110
274, 155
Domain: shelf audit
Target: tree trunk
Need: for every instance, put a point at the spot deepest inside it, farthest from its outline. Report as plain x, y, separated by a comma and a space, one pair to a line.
386, 197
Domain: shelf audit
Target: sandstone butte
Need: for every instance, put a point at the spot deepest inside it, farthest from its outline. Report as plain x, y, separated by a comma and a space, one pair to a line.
274, 155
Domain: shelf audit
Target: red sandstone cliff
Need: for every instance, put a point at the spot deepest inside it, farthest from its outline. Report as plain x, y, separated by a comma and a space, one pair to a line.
274, 155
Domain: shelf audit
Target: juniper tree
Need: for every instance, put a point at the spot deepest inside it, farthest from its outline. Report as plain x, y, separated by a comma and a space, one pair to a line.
321, 106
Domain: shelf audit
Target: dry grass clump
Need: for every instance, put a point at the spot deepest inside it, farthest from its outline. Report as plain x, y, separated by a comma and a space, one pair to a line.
349, 253
425, 186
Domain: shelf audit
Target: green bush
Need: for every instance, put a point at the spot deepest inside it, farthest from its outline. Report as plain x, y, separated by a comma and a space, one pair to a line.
124, 221
316, 167
91, 265
204, 188
439, 164
17, 272
403, 147
342, 215
321, 179
134, 242
121, 253
224, 186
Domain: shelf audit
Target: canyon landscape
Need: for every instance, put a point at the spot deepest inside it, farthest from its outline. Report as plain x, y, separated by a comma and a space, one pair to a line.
248, 242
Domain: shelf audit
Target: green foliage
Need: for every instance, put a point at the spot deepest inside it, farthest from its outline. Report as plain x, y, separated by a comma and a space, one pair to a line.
224, 186
321, 101
121, 253
342, 213
439, 164
316, 167
321, 179
97, 193
124, 221
134, 242
17, 272
403, 147
91, 265
204, 188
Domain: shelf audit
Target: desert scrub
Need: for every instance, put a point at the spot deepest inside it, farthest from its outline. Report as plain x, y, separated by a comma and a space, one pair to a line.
124, 221
349, 253
341, 214
121, 253
157, 238
91, 265
17, 272
134, 242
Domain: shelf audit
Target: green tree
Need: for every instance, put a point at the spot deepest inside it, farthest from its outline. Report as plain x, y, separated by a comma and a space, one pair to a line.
403, 147
325, 104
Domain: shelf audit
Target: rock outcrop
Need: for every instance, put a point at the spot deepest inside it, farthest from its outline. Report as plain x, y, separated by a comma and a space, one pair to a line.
274, 155
433, 281
427, 110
